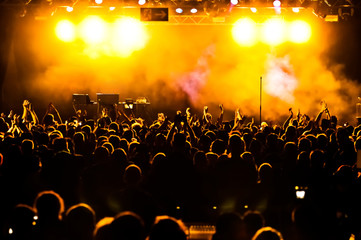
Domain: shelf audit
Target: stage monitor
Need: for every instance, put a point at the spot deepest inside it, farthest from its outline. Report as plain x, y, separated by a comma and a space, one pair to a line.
107, 98
81, 99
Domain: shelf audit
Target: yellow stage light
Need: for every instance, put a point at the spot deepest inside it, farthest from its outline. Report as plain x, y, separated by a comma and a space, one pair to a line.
93, 30
273, 32
65, 31
129, 35
244, 32
299, 31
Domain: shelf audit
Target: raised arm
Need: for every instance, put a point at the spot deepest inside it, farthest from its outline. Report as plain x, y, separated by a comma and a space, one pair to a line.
189, 116
34, 116
238, 120
52, 110
15, 125
29, 110
220, 118
25, 114
204, 117
164, 121
298, 116
287, 122
171, 131
319, 115
126, 117
192, 135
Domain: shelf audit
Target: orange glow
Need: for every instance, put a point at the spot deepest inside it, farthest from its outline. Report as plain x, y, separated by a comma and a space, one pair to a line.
203, 58
244, 32
273, 31
65, 31
299, 31
93, 30
129, 35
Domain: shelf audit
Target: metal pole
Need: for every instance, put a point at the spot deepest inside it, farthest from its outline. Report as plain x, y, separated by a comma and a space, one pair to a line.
260, 101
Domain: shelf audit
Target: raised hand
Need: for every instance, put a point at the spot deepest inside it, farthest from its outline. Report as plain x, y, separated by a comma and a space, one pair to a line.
205, 109
221, 107
188, 111
161, 117
26, 104
11, 114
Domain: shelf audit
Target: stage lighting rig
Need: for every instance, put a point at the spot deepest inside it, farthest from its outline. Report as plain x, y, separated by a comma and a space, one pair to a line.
216, 8
327, 10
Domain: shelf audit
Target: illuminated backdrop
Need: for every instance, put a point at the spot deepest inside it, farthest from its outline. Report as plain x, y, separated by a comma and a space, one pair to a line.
184, 62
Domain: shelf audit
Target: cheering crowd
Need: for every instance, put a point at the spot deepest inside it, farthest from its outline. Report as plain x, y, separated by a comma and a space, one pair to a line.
124, 178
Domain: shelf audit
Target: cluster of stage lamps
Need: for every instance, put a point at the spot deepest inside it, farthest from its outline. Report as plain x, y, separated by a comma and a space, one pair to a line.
131, 33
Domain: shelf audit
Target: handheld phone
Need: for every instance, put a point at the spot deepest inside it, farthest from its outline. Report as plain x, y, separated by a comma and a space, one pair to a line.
300, 192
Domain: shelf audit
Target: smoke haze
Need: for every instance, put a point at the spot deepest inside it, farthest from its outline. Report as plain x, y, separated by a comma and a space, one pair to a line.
183, 66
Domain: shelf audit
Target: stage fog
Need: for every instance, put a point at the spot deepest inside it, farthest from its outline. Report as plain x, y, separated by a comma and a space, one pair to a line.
180, 66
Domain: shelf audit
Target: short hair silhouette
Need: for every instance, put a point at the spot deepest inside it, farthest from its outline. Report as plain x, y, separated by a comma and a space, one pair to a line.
228, 227
102, 229
127, 226
80, 221
167, 227
49, 205
267, 233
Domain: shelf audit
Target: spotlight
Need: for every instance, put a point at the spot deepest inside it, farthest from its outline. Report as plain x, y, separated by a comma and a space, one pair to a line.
244, 32
93, 30
194, 10
98, 1
234, 2
277, 3
65, 31
254, 10
179, 10
299, 31
141, 2
295, 10
111, 8
274, 31
128, 35
69, 9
